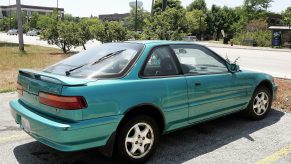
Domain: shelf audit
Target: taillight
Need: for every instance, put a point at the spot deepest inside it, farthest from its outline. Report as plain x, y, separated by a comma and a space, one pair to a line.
19, 90
62, 102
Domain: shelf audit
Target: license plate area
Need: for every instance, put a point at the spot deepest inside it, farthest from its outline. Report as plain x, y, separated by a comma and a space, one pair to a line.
25, 125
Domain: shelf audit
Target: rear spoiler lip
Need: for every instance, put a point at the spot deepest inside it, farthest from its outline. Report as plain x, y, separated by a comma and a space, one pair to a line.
54, 78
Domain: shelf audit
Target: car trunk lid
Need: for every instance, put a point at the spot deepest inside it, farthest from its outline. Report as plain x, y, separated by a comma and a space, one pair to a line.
33, 82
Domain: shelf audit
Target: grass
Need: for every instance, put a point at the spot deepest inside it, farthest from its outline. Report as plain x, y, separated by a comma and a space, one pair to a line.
11, 59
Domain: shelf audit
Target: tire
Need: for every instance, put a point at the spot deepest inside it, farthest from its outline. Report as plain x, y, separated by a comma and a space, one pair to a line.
260, 104
130, 140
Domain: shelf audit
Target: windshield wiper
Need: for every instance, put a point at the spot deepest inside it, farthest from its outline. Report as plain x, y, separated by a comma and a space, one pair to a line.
98, 61
108, 56
71, 70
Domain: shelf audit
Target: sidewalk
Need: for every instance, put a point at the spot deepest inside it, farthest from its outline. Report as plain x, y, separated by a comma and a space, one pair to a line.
219, 45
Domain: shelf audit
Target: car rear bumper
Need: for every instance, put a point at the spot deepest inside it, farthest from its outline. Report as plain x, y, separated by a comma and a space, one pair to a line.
62, 135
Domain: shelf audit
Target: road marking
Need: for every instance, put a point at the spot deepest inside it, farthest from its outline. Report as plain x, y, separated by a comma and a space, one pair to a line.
275, 156
14, 138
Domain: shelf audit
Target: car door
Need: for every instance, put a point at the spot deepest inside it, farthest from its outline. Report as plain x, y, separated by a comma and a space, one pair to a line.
212, 89
164, 79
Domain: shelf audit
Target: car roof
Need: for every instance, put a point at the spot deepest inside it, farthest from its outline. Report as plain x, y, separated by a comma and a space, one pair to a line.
160, 42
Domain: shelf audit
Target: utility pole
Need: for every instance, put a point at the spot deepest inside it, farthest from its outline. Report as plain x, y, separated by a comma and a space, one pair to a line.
9, 16
58, 9
20, 31
152, 11
164, 5
135, 15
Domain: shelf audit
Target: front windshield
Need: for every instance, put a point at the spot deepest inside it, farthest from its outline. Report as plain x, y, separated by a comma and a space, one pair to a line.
105, 60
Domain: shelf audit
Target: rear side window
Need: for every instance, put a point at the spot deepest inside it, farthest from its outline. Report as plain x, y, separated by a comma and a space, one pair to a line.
161, 63
198, 60
106, 60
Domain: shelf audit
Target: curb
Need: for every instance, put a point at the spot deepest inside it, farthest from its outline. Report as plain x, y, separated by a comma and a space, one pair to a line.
251, 48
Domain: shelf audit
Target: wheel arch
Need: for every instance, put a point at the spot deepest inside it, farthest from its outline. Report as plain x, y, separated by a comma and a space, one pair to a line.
145, 109
267, 84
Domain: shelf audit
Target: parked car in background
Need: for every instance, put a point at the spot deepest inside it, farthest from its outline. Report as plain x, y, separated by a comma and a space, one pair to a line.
190, 38
121, 97
32, 33
12, 32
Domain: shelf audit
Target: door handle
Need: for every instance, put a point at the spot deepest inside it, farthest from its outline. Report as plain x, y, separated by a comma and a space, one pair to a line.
197, 84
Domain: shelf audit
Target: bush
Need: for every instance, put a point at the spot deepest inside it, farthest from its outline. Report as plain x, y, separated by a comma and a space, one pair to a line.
262, 37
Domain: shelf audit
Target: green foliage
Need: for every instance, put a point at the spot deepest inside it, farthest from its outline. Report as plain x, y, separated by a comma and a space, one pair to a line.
197, 5
256, 9
6, 24
262, 37
85, 26
33, 21
109, 31
220, 19
196, 21
141, 16
171, 4
287, 16
70, 18
42, 22
257, 5
63, 34
168, 25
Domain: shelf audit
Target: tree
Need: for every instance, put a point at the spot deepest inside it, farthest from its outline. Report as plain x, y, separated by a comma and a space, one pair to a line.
70, 18
256, 24
109, 31
256, 5
63, 34
256, 9
197, 5
171, 4
115, 31
168, 25
42, 22
141, 16
33, 20
220, 19
98, 31
85, 26
287, 16
196, 21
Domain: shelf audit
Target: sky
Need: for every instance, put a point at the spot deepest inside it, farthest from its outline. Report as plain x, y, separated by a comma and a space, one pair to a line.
84, 8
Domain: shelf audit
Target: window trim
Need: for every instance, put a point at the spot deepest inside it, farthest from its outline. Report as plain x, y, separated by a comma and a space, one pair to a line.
212, 54
173, 55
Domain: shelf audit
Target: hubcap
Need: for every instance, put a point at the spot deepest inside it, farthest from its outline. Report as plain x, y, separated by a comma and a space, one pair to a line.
261, 103
139, 140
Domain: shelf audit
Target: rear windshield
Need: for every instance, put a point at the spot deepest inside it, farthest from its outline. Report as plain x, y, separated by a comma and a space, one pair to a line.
106, 61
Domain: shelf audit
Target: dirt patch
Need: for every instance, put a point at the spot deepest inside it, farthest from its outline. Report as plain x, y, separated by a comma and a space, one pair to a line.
283, 101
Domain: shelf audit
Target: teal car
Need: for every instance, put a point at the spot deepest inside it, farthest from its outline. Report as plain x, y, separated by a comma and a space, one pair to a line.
120, 97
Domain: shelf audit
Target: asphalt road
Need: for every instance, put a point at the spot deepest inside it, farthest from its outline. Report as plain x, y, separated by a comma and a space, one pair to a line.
273, 61
227, 140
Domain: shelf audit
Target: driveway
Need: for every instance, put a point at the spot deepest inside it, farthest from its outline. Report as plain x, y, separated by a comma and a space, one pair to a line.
227, 140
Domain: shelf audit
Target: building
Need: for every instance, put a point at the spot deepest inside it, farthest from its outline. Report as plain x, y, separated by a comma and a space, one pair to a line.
5, 11
113, 17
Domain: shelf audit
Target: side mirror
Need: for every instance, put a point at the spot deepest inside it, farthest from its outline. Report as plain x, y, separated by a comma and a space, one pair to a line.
234, 68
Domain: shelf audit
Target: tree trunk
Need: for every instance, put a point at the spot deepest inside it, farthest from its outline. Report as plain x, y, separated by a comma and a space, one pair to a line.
64, 48
84, 47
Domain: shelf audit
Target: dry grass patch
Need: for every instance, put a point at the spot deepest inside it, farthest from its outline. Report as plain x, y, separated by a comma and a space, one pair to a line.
36, 57
283, 100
